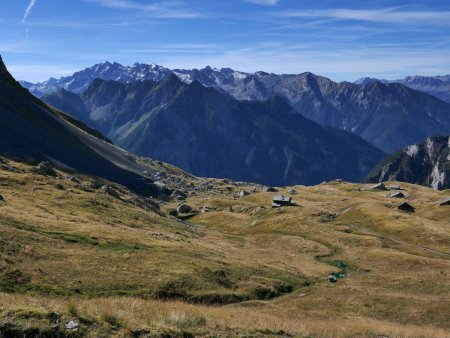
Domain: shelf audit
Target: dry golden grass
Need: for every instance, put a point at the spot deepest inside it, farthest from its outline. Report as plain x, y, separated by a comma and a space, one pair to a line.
134, 315
100, 260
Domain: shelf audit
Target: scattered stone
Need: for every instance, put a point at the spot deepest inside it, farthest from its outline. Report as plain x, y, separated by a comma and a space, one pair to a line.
72, 326
184, 209
179, 195
1, 198
291, 191
60, 186
95, 184
243, 193
173, 212
258, 209
160, 184
46, 168
72, 179
271, 189
110, 190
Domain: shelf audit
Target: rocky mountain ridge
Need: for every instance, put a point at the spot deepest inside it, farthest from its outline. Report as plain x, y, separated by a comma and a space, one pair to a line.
426, 163
390, 116
438, 86
211, 134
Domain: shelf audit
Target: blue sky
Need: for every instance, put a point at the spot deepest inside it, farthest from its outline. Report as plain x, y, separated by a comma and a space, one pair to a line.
343, 40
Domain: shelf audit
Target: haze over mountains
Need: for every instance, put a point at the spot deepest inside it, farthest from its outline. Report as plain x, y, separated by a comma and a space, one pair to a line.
211, 134
438, 86
390, 116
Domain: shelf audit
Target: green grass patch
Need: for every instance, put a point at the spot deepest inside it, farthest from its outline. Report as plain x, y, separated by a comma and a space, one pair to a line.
74, 238
111, 319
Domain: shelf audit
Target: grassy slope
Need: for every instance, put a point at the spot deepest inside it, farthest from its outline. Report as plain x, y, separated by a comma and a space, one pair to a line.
71, 252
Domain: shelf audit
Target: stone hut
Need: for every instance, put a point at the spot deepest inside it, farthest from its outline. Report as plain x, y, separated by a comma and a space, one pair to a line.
281, 201
406, 207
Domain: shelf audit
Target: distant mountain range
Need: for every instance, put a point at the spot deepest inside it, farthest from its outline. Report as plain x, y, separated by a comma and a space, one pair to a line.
209, 133
438, 86
426, 163
390, 116
30, 130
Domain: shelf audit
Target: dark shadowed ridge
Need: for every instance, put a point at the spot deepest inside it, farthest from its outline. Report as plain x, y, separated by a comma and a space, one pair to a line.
211, 134
30, 130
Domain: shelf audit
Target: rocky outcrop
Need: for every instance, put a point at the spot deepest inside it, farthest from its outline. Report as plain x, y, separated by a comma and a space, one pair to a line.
426, 163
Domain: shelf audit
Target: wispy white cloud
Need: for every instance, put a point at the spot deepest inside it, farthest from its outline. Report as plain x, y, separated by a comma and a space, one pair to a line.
176, 48
28, 10
349, 64
15, 47
338, 62
167, 9
264, 2
390, 15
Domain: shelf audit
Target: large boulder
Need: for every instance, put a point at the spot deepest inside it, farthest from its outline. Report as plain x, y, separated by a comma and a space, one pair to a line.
179, 195
46, 168
184, 209
173, 212
110, 190
243, 193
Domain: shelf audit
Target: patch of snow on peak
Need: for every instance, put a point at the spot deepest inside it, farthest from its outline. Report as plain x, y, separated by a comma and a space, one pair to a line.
186, 78
412, 150
239, 75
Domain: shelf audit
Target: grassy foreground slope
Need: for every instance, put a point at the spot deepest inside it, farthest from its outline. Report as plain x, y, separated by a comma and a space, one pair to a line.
118, 266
